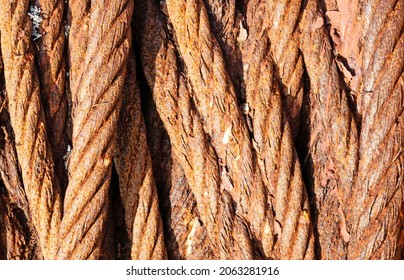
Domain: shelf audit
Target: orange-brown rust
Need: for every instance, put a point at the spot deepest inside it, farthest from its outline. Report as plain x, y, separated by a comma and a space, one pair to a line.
136, 182
21, 238
378, 196
51, 70
331, 138
196, 156
99, 43
272, 141
185, 234
28, 123
189, 233
215, 100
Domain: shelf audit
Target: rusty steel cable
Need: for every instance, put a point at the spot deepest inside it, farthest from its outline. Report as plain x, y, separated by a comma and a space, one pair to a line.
185, 235
215, 99
377, 213
273, 144
14, 197
21, 236
226, 22
51, 71
14, 241
99, 43
28, 123
136, 182
331, 140
231, 27
18, 232
189, 233
284, 45
200, 163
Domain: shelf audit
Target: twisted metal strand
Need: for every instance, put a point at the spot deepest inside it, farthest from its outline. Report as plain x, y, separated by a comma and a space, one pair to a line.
189, 232
185, 234
197, 157
99, 43
377, 214
52, 75
226, 23
272, 141
332, 141
28, 123
215, 100
284, 45
136, 183
279, 19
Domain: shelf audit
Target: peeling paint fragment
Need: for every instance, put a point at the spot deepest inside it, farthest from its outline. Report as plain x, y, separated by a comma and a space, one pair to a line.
190, 238
318, 23
242, 35
226, 137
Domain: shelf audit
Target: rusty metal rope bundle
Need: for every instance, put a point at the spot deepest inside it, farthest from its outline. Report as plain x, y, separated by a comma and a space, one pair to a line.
21, 237
215, 99
284, 18
279, 20
227, 27
185, 234
176, 202
201, 129
187, 237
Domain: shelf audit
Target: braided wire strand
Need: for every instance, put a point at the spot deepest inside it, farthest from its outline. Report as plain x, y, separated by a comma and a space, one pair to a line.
52, 73
99, 43
196, 156
136, 183
332, 138
273, 144
215, 99
28, 123
379, 188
